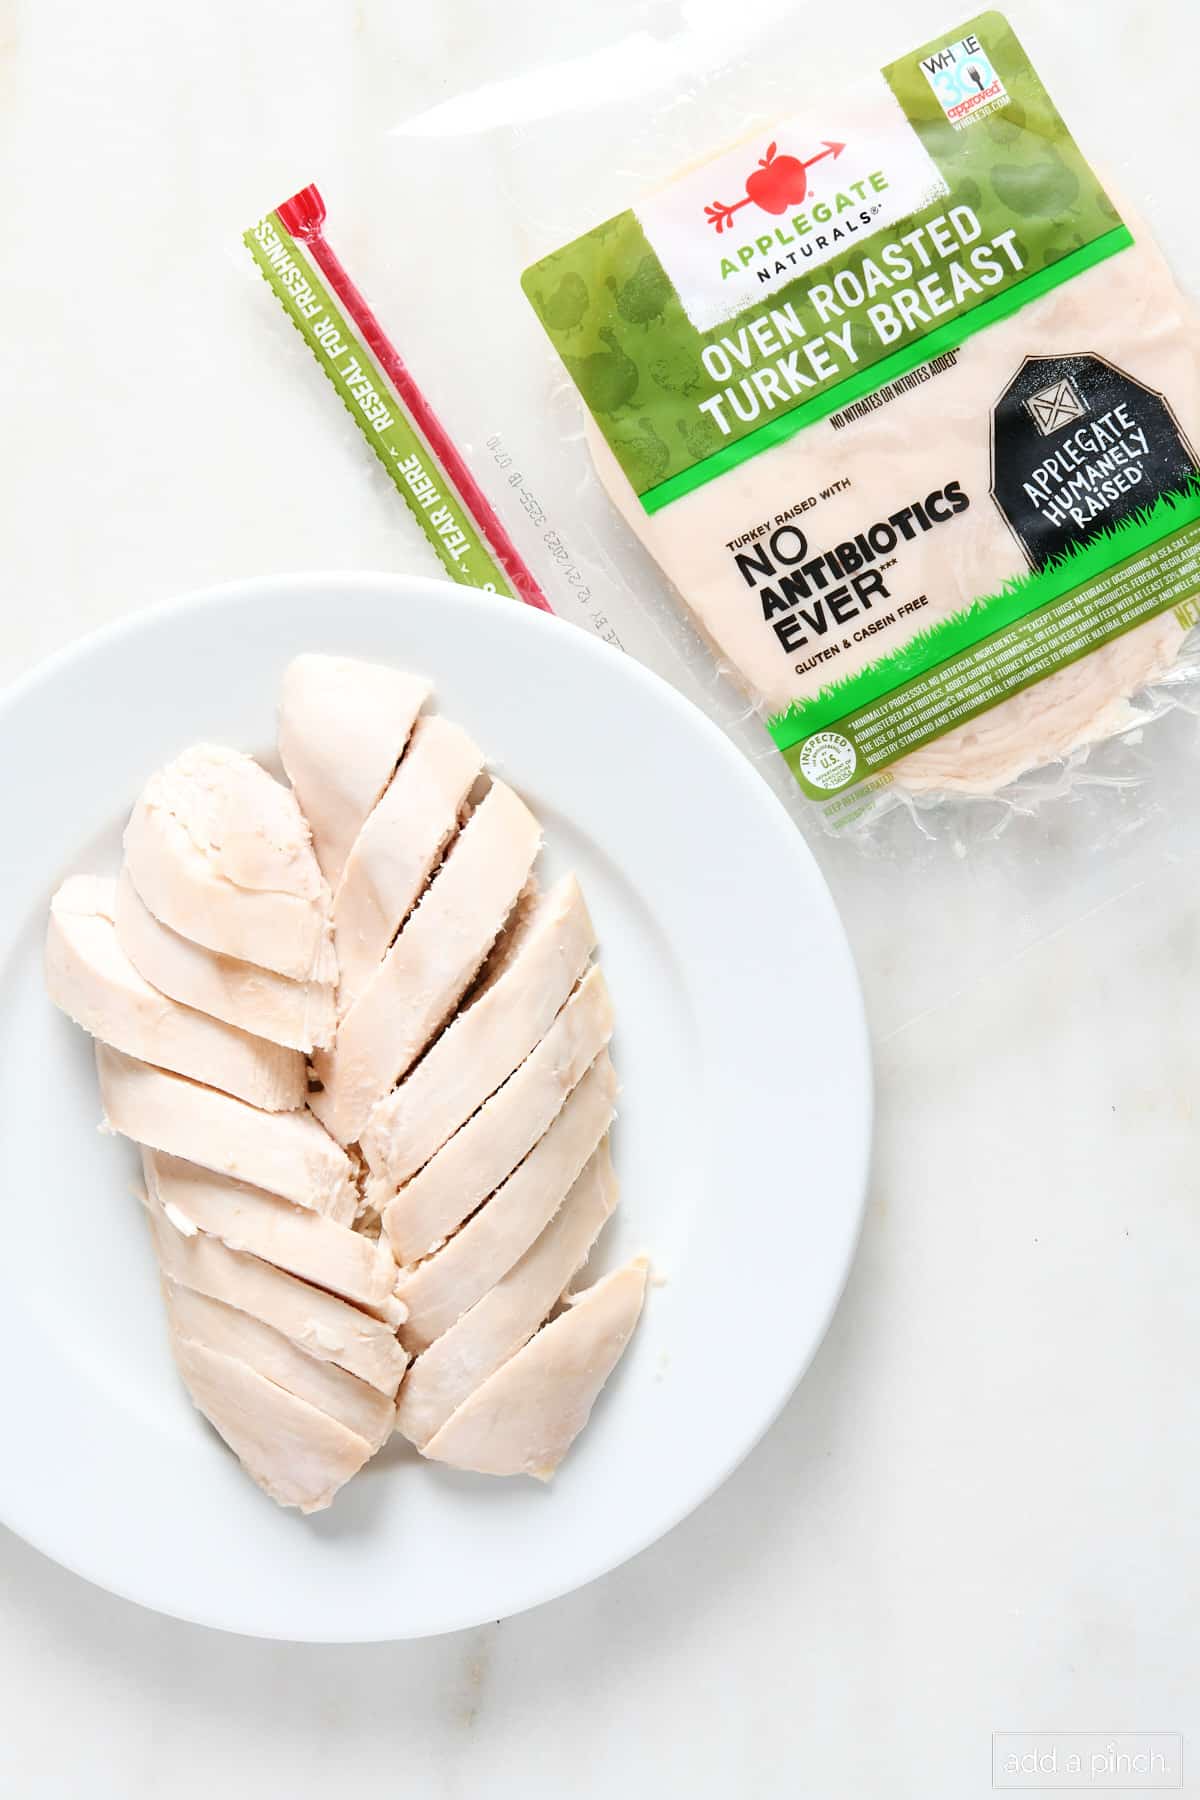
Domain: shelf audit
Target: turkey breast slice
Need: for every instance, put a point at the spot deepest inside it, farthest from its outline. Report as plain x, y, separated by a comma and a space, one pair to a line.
296, 1454
328, 1328
360, 1408
299, 1014
220, 852
398, 848
343, 726
291, 1237
496, 1326
440, 1290
285, 1153
431, 964
528, 978
1085, 702
523, 1419
91, 979
490, 1145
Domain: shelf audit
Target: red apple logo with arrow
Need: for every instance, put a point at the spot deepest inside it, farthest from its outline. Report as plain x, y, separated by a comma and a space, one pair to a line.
777, 183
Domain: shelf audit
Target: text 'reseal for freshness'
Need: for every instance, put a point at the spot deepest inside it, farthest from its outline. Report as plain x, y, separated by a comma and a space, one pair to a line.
444, 513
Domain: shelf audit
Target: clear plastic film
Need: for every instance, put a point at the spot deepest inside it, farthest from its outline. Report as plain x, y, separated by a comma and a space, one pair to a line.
1079, 763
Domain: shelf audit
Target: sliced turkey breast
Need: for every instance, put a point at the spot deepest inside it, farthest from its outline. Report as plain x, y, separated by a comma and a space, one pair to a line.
285, 1153
351, 1402
440, 1290
490, 1145
220, 852
292, 1237
328, 1328
523, 1419
299, 1014
431, 964
297, 1455
398, 848
343, 726
444, 1182
496, 1326
91, 979
528, 978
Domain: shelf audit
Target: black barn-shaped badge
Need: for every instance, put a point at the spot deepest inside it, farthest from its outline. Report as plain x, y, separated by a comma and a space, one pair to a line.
1077, 446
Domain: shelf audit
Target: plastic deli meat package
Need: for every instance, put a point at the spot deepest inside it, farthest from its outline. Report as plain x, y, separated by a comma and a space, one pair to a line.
862, 409
868, 412
904, 406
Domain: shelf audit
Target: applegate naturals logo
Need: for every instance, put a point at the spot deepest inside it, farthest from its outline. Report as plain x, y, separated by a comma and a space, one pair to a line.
779, 183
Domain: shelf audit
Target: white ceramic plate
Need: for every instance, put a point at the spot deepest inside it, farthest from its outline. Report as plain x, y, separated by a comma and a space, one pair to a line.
742, 1141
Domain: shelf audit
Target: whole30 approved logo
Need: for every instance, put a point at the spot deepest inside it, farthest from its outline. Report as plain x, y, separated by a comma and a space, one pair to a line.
965, 82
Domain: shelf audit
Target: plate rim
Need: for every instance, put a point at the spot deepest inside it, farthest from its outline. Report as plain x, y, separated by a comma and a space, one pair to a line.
399, 584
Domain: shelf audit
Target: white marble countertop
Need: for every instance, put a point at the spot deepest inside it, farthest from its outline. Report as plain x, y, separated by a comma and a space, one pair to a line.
978, 1512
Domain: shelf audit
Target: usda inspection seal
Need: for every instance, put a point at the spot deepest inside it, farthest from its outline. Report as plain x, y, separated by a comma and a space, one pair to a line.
828, 760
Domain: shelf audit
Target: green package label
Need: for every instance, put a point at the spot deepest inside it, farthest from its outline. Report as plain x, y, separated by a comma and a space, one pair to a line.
779, 283
364, 391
